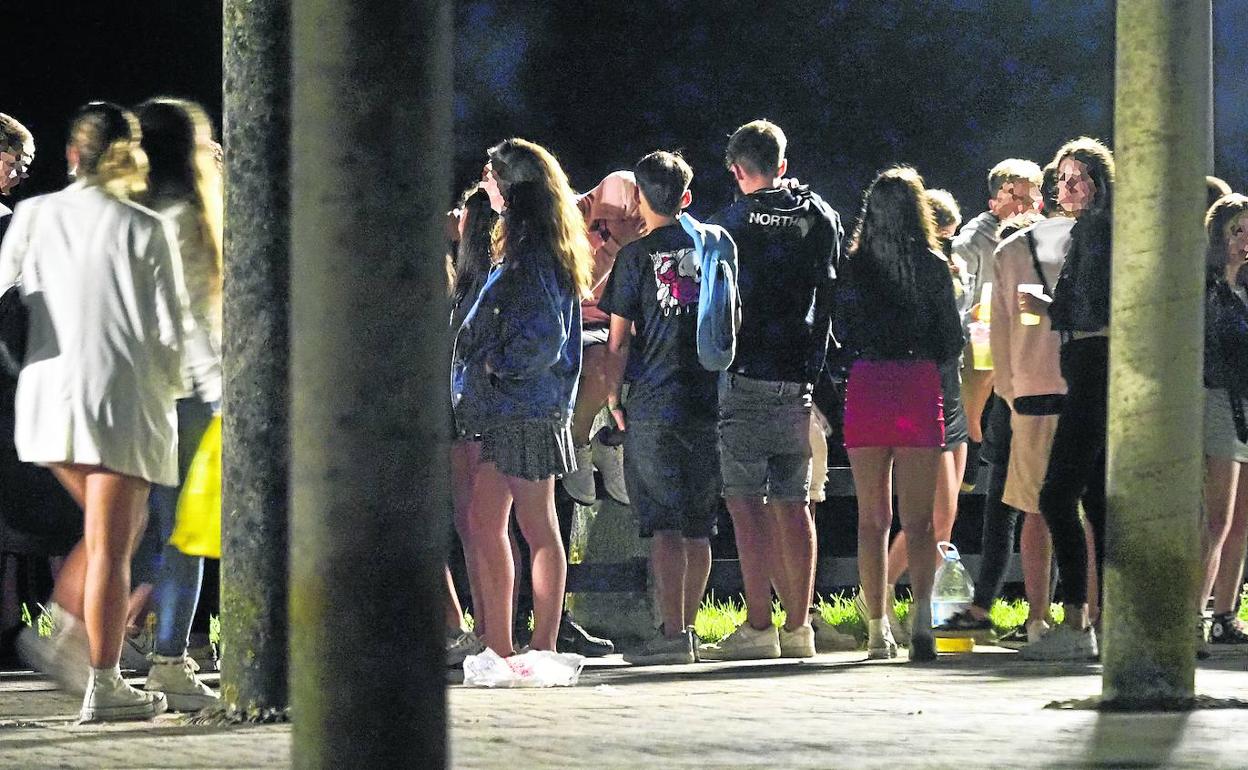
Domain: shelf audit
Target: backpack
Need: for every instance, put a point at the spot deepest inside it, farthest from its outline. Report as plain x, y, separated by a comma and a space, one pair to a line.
719, 302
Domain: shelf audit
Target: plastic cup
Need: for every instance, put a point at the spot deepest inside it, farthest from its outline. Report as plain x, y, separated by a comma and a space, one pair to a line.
981, 349
1036, 290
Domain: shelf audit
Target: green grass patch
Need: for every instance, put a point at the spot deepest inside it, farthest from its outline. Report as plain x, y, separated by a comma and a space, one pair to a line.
41, 622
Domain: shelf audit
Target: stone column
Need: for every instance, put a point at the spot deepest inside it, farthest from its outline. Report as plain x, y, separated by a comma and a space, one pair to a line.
372, 151
1156, 344
256, 439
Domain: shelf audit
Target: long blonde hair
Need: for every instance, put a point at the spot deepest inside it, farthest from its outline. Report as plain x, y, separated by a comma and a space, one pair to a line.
542, 210
177, 135
106, 138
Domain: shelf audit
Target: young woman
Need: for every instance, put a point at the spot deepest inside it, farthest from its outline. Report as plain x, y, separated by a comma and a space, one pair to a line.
184, 185
946, 216
1226, 432
467, 270
901, 323
108, 324
1076, 467
516, 364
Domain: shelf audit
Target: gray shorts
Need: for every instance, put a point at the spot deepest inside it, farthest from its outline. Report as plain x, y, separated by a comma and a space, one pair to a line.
1220, 438
764, 438
672, 475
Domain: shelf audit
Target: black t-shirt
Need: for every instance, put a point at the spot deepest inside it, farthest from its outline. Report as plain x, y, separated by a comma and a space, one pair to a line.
788, 247
655, 284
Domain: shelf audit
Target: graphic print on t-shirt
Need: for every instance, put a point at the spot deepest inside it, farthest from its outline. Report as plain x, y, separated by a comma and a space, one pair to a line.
678, 277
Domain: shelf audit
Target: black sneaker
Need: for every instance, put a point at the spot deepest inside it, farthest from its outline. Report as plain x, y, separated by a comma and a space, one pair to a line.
1227, 629
573, 638
963, 623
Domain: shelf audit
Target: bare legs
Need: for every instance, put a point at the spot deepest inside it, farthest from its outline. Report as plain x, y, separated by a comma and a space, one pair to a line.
591, 393
1037, 555
492, 495
916, 491
976, 387
754, 549
115, 508
1226, 518
944, 510
681, 567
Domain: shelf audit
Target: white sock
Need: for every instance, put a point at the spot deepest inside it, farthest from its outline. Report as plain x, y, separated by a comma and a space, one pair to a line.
109, 677
876, 629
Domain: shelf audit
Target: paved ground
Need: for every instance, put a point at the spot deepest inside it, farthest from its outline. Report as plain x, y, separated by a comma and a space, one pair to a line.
982, 710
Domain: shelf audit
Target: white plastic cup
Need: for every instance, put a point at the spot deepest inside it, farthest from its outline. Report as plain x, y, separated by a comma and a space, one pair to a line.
1036, 290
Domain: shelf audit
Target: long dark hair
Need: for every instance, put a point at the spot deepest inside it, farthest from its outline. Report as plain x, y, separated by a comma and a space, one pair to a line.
472, 254
896, 228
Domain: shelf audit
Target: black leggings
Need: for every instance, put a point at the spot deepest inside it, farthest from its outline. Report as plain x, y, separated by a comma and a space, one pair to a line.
1000, 520
1077, 464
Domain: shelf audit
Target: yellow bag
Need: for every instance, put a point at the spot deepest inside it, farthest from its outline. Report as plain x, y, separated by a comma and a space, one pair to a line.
197, 525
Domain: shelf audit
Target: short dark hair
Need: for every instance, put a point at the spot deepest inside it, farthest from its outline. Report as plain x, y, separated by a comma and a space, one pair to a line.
1215, 188
663, 178
758, 146
1048, 189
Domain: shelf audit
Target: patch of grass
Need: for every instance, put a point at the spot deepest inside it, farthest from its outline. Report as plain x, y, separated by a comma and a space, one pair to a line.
42, 622
1243, 602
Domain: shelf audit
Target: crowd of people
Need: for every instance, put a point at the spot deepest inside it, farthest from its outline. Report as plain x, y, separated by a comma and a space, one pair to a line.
887, 310
703, 342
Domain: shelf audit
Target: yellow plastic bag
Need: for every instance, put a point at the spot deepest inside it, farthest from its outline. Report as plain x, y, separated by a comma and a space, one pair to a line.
197, 526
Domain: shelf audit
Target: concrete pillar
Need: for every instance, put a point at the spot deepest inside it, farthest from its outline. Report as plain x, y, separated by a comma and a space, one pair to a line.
1155, 440
256, 439
372, 151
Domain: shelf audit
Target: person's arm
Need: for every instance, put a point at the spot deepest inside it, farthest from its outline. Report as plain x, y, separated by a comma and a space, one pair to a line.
619, 342
1004, 319
173, 314
825, 300
14, 245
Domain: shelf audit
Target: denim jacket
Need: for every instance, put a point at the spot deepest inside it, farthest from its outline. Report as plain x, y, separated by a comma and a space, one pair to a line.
518, 353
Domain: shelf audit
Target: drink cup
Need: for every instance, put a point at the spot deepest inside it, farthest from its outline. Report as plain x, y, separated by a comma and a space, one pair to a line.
1036, 290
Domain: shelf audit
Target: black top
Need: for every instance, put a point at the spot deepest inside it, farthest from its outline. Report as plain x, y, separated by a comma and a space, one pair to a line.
1226, 337
655, 284
788, 250
873, 322
1081, 296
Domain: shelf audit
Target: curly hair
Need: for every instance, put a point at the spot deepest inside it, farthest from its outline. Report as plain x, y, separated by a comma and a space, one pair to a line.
541, 211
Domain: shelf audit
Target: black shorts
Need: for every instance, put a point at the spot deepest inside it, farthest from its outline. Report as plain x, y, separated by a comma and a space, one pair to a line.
672, 475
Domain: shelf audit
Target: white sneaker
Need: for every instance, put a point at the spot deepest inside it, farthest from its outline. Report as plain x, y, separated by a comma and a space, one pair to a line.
1036, 629
883, 647
105, 701
175, 677
744, 643
462, 646
662, 651
135, 651
579, 484
64, 655
828, 639
1062, 643
610, 462
798, 643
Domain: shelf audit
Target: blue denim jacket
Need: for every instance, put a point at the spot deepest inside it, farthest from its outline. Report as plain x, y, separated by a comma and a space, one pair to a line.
518, 353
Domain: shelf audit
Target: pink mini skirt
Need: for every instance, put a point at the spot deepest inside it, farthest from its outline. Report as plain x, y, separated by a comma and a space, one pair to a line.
894, 404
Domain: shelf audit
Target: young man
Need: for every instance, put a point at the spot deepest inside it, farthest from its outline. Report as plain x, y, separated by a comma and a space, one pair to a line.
670, 469
1013, 188
17, 151
788, 244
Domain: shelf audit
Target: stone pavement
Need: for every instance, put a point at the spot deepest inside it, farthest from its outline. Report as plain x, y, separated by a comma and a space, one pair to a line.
837, 710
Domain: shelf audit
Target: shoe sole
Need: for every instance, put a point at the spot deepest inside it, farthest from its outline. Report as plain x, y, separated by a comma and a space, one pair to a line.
120, 713
718, 656
887, 653
798, 654
665, 659
188, 701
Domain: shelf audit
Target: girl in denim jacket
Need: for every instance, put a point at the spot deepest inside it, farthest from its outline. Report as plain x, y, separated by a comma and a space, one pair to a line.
516, 364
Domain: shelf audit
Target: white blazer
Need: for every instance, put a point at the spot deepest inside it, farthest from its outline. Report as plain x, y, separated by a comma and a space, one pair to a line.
108, 316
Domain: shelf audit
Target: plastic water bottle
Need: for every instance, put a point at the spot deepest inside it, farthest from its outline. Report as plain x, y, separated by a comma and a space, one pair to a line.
953, 589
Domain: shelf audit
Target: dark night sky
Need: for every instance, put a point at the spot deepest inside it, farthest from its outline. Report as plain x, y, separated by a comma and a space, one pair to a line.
950, 86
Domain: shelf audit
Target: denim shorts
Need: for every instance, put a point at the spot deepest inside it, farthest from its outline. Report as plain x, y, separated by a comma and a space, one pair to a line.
764, 438
672, 474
